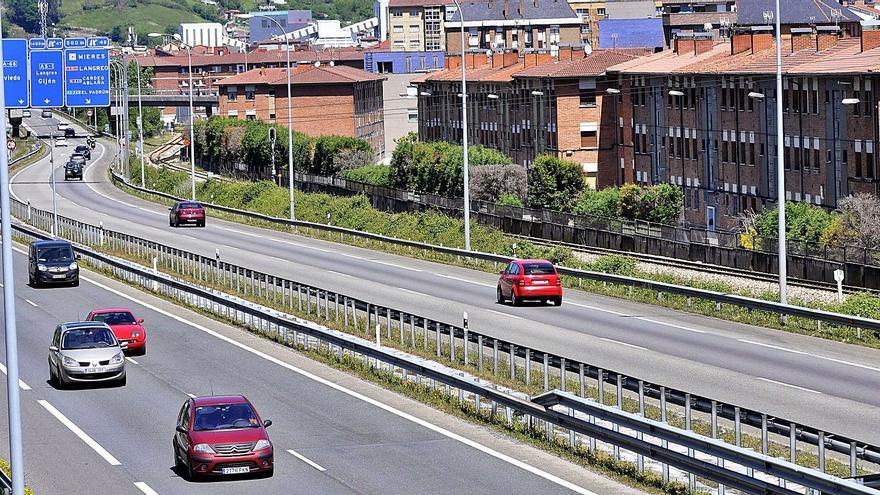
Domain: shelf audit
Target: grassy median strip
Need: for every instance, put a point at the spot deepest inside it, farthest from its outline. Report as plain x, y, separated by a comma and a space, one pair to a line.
531, 382
430, 227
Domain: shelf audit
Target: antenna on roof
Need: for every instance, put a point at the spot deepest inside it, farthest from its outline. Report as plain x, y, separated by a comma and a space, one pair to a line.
317, 63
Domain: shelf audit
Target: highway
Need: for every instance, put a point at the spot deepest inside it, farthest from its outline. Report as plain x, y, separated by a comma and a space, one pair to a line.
353, 437
824, 384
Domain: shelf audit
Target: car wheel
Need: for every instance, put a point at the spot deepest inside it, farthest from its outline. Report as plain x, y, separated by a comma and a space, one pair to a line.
514, 301
62, 381
121, 382
269, 472
143, 350
75, 283
499, 296
201, 224
31, 280
190, 475
53, 378
557, 301
178, 464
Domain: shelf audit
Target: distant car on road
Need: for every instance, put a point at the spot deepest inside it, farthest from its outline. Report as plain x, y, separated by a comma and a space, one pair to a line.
63, 126
186, 212
73, 170
84, 151
221, 435
60, 141
78, 158
70, 132
52, 262
46, 114
529, 280
85, 352
127, 329
26, 114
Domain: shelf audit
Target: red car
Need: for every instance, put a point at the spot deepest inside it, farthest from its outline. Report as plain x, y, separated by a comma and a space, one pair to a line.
186, 212
125, 326
221, 435
529, 280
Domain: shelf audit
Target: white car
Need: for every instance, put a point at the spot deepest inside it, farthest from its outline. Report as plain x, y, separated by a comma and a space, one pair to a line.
60, 141
62, 126
26, 114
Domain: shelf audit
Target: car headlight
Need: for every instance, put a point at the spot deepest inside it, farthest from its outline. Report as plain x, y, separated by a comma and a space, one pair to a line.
203, 448
42, 267
73, 266
117, 358
262, 445
69, 362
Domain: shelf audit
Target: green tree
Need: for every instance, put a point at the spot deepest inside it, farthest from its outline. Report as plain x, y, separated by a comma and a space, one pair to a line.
603, 203
554, 183
803, 222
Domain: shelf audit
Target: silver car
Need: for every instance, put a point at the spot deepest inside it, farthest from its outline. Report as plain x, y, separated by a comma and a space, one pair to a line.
85, 352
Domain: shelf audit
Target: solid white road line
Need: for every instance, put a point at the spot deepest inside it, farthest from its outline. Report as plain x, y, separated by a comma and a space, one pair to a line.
31, 303
789, 385
305, 460
623, 343
412, 291
78, 432
818, 356
464, 280
505, 314
130, 360
395, 265
340, 274
140, 485
21, 383
425, 424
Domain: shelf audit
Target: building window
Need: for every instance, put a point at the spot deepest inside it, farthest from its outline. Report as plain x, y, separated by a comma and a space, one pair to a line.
396, 13
415, 43
232, 93
399, 44
412, 115
250, 95
397, 29
232, 114
589, 139
858, 160
587, 92
600, 11
414, 28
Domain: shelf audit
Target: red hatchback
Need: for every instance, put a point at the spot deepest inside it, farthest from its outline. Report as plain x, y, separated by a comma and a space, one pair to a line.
221, 435
186, 212
125, 327
529, 280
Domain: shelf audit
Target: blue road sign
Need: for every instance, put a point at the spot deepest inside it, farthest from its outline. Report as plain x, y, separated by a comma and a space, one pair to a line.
54, 43
74, 42
47, 78
15, 73
87, 76
37, 43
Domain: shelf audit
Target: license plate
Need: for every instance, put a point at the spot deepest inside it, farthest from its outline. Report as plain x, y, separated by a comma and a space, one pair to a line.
236, 470
192, 220
540, 282
94, 370
57, 276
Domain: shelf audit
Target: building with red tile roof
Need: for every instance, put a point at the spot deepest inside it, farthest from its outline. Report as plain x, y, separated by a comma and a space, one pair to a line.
327, 99
715, 134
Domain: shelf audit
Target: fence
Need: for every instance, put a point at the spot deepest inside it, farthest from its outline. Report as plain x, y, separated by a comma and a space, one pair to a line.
457, 345
806, 261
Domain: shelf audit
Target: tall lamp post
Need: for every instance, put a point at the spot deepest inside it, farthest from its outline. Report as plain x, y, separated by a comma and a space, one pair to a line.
464, 135
680, 95
192, 116
780, 170
289, 110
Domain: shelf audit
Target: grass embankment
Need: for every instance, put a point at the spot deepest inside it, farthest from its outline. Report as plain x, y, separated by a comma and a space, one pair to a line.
438, 229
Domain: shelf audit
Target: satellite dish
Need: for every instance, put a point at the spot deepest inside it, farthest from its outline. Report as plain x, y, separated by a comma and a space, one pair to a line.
318, 63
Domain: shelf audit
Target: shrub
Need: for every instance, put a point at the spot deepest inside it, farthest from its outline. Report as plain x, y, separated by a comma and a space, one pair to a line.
490, 182
603, 203
510, 200
661, 203
803, 222
616, 264
554, 183
351, 159
377, 175
327, 148
861, 304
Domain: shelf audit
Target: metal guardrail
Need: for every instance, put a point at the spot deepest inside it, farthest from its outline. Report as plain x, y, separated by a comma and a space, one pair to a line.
659, 287
457, 344
5, 484
713, 460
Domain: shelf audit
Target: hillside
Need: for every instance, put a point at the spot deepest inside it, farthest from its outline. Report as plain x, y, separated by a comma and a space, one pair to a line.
112, 17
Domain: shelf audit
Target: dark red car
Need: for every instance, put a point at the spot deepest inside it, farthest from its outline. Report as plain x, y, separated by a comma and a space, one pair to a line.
221, 435
186, 212
529, 280
125, 327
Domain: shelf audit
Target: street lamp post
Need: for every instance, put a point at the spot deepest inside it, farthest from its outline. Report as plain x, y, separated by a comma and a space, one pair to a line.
780, 172
289, 113
680, 95
464, 135
192, 115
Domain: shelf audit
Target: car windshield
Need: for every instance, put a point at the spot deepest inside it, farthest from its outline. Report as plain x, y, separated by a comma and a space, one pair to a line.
189, 205
88, 338
55, 253
115, 318
225, 417
539, 269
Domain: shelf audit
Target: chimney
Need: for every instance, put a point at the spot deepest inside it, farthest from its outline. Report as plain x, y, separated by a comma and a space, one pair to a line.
740, 42
684, 43
703, 42
870, 37
509, 59
522, 8
505, 12
801, 39
826, 37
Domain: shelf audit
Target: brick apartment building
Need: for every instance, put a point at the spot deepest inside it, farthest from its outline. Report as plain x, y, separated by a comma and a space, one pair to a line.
714, 135
327, 99
512, 25
530, 105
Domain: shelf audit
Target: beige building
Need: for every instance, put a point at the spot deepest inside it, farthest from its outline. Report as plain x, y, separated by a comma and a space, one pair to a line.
416, 25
